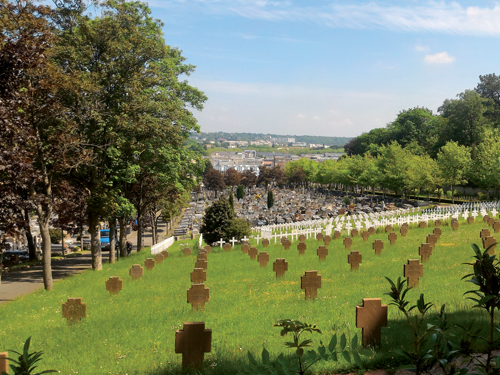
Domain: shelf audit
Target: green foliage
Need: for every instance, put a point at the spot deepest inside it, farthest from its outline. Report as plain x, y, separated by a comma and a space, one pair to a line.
240, 192
217, 221
231, 200
239, 228
55, 235
270, 199
302, 360
25, 364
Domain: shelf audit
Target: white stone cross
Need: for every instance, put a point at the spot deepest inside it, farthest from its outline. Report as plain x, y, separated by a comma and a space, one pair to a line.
233, 241
221, 242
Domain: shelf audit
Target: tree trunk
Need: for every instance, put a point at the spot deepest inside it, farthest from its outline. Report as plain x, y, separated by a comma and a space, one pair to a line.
43, 222
112, 238
123, 236
139, 231
95, 242
81, 237
452, 196
62, 243
29, 237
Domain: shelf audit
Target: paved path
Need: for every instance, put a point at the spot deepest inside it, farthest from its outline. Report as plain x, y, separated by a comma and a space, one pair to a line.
17, 283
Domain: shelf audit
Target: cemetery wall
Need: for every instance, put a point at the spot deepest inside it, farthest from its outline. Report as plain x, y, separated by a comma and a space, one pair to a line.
159, 247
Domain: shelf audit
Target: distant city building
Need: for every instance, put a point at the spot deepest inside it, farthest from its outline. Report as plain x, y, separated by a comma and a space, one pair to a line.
299, 144
283, 140
240, 161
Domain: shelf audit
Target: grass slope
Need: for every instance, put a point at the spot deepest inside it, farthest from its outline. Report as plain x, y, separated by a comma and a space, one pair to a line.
133, 332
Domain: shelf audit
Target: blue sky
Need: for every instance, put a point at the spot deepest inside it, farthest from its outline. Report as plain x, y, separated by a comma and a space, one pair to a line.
333, 68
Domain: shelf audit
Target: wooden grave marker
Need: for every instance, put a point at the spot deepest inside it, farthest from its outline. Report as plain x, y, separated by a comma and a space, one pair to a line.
438, 223
371, 230
265, 243
186, 251
245, 248
136, 271
484, 233
371, 317
322, 252
413, 270
378, 246
354, 233
114, 284
491, 221
432, 239
392, 237
365, 235
280, 266
425, 251
208, 249
287, 243
336, 234
319, 236
263, 258
388, 228
201, 264
437, 232
301, 247
197, 296
149, 263
489, 241
470, 220
486, 218
192, 342
302, 238
159, 258
326, 240
74, 310
198, 276
348, 243
201, 256
422, 224
496, 226
253, 253
165, 254
403, 231
4, 363
354, 259
227, 246
454, 224
310, 282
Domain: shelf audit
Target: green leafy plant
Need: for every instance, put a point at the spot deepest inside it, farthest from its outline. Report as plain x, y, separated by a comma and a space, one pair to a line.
486, 277
25, 364
302, 360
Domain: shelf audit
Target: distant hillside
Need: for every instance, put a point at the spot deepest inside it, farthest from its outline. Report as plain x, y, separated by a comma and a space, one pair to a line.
328, 141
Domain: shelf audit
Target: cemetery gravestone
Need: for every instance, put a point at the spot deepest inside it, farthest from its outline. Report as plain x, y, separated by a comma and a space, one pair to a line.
454, 224
310, 282
227, 246
491, 221
425, 251
354, 259
201, 256
253, 253
422, 224
437, 232
354, 233
201, 264
149, 263
301, 247
341, 211
378, 246
322, 252
159, 258
263, 258
197, 296
388, 228
192, 342
136, 271
496, 226
319, 236
486, 218
287, 243
371, 230
265, 243
392, 237
198, 276
4, 363
74, 310
302, 238
114, 284
484, 233
280, 266
186, 251
432, 240
489, 241
326, 240
470, 220
348, 243
371, 317
245, 248
336, 234
413, 270
165, 254
438, 223
365, 235
403, 231
208, 249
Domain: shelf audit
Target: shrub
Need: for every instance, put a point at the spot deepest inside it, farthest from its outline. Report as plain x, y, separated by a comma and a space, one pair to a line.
239, 228
55, 235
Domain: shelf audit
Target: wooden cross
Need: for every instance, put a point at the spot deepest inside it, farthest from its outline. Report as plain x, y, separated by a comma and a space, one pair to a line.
186, 251
136, 271
165, 254
348, 243
491, 221
425, 251
74, 310
263, 258
193, 341
197, 296
310, 282
287, 244
365, 235
319, 236
280, 266
227, 247
388, 228
149, 263
201, 264
336, 234
208, 249
432, 239
198, 276
454, 224
413, 270
159, 258
403, 231
302, 238
326, 240
245, 248
422, 224
392, 237
201, 256
354, 259
484, 233
114, 284
378, 246
4, 363
470, 220
487, 242
437, 232
438, 223
371, 230
221, 242
496, 226
301, 247
253, 253
322, 252
233, 241
371, 317
265, 243
354, 233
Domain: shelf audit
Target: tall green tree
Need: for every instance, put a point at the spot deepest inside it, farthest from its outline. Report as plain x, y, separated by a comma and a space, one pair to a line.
270, 199
485, 170
454, 162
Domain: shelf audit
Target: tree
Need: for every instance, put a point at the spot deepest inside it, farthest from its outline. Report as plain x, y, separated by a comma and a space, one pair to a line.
248, 178
270, 199
214, 180
217, 221
231, 200
454, 161
232, 177
240, 192
485, 169
393, 166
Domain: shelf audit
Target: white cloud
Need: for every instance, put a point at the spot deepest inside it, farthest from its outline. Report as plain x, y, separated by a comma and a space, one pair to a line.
300, 115
439, 58
420, 48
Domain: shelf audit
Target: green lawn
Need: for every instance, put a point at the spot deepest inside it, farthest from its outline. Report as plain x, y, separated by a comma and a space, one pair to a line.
133, 332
